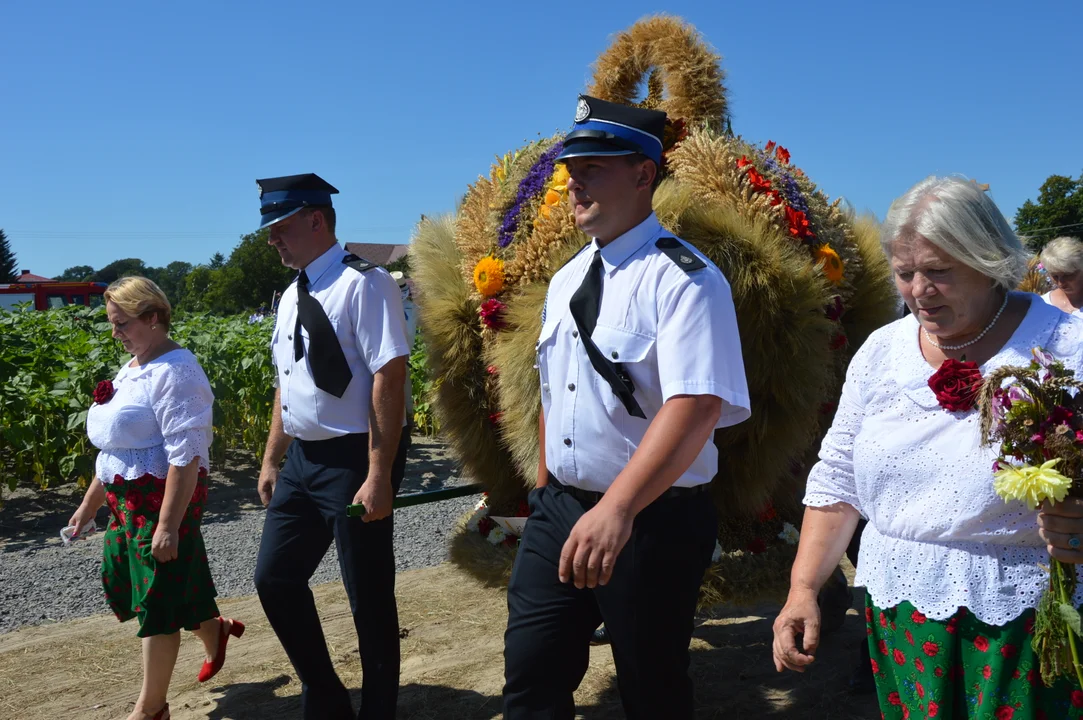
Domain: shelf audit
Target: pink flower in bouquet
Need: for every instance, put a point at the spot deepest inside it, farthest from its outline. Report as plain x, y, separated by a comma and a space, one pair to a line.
1060, 416
492, 314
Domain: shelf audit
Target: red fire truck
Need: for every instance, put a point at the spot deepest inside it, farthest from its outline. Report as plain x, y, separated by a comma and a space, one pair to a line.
51, 294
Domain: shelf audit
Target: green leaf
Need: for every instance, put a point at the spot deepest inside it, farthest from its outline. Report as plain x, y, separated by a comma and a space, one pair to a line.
1070, 616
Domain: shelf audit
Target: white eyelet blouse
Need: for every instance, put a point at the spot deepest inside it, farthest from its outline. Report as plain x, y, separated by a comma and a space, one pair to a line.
160, 415
938, 535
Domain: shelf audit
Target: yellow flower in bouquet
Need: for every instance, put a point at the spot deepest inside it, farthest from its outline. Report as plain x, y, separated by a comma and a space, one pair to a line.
489, 276
1032, 485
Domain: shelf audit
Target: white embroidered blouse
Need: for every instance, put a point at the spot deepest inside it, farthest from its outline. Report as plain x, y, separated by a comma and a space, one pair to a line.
160, 415
938, 535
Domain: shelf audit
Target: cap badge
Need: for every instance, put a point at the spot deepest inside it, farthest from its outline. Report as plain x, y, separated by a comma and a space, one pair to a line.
582, 111
686, 260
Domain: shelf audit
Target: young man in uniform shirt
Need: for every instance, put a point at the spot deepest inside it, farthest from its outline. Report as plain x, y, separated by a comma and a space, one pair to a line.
640, 362
339, 348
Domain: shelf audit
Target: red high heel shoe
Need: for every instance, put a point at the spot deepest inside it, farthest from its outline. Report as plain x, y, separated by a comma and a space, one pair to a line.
210, 669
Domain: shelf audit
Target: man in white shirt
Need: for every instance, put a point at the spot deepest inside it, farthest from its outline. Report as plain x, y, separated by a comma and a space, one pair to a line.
339, 348
640, 361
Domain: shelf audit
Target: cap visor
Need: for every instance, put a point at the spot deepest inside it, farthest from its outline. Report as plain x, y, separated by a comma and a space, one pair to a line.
272, 217
588, 148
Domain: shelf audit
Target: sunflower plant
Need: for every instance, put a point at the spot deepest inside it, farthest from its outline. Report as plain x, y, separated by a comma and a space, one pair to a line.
1035, 413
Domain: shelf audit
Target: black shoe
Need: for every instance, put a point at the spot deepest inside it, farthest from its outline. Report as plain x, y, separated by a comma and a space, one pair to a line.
835, 600
600, 637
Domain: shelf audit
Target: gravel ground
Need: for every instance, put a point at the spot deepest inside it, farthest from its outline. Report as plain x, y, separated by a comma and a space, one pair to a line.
41, 581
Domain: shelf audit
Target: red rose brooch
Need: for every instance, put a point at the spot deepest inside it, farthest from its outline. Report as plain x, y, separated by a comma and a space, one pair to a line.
956, 385
104, 392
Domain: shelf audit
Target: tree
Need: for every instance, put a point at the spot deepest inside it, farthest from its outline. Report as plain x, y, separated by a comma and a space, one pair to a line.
120, 268
402, 265
8, 263
1059, 211
251, 276
171, 279
217, 260
77, 273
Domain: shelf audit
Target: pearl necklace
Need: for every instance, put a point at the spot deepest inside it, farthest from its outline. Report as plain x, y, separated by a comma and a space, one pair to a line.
968, 343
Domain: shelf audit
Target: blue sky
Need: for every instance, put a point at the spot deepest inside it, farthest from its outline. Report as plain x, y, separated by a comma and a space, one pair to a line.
137, 129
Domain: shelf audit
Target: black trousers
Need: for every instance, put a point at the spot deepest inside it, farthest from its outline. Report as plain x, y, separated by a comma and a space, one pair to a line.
307, 512
648, 607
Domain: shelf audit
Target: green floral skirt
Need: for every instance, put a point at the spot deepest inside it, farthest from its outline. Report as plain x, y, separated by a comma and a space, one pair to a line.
165, 597
961, 668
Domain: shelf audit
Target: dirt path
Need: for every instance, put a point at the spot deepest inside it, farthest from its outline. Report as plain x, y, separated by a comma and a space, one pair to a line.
452, 668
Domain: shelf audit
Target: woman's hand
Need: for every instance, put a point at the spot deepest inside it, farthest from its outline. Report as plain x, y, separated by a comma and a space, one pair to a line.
164, 544
800, 615
1061, 526
83, 516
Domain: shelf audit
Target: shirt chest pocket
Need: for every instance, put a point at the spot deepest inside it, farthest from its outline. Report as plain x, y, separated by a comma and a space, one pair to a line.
543, 353
630, 352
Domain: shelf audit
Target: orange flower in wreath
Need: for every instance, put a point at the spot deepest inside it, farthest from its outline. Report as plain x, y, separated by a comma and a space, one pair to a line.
799, 225
827, 258
489, 276
783, 155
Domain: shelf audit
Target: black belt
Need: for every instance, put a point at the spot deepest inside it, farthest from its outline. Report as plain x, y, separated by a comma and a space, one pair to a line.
592, 497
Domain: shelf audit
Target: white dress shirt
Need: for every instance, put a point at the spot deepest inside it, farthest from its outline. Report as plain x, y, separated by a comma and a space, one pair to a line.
938, 535
365, 308
674, 331
160, 415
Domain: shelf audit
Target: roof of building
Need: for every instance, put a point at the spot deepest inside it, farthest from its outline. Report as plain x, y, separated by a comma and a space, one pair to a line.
378, 253
28, 277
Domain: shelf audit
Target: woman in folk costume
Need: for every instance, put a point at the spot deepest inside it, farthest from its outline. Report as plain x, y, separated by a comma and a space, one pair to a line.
953, 572
152, 424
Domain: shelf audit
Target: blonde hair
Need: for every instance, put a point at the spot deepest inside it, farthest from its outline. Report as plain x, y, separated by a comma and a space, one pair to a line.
957, 216
139, 297
1063, 255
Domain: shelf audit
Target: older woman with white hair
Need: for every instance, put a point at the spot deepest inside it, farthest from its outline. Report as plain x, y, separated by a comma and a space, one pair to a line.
1062, 259
953, 572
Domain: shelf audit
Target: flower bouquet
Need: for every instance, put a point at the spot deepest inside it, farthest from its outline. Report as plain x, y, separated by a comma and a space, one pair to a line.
1036, 414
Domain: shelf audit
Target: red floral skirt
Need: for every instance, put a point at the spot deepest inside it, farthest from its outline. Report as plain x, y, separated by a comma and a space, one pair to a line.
962, 668
165, 597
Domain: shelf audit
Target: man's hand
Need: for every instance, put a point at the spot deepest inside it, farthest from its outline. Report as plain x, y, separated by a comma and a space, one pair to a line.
592, 548
376, 495
268, 478
163, 545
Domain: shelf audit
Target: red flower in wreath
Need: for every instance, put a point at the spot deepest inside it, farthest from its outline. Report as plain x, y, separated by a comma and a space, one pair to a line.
757, 546
759, 182
492, 314
104, 392
743, 162
1077, 698
783, 155
799, 225
956, 385
768, 513
769, 146
485, 525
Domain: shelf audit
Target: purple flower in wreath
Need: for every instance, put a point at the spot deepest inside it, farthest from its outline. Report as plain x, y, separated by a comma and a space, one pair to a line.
530, 188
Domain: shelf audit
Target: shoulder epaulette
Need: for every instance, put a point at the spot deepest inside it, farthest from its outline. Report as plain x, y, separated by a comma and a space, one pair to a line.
573, 257
684, 258
357, 263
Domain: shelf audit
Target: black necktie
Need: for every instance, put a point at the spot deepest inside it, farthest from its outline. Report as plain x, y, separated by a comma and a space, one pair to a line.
585, 304
330, 371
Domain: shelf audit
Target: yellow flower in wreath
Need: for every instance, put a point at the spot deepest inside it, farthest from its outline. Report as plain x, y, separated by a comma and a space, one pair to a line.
560, 177
831, 263
553, 197
489, 276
